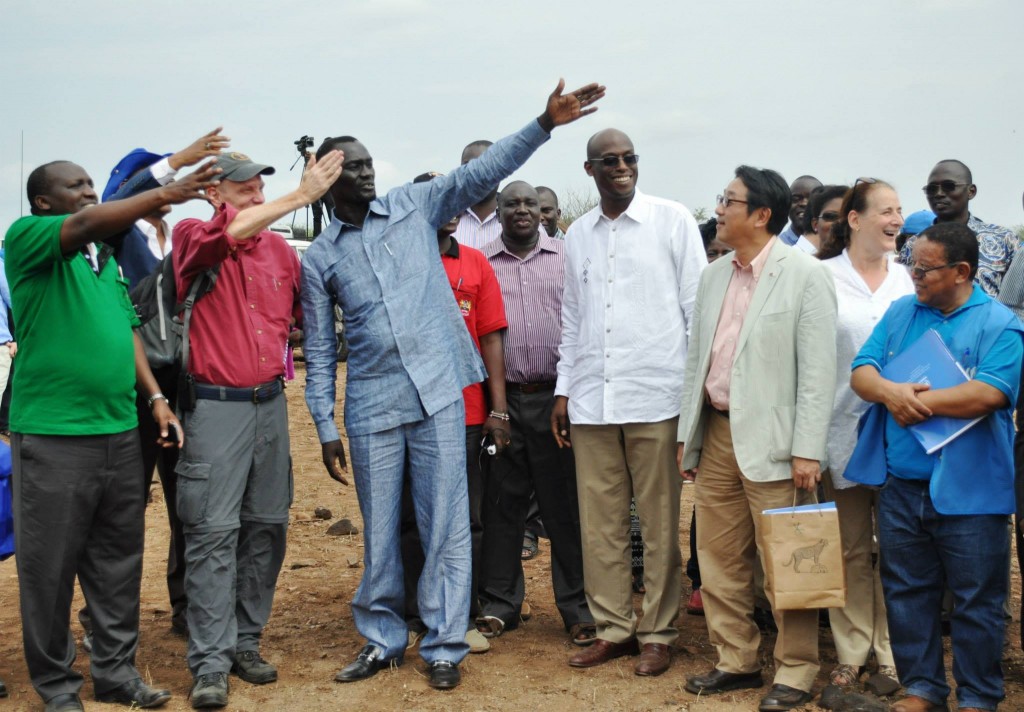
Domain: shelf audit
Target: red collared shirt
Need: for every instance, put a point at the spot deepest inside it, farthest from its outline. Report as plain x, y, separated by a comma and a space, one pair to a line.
239, 331
479, 298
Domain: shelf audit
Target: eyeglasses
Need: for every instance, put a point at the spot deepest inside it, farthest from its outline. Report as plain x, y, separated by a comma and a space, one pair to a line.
946, 186
829, 217
726, 202
629, 159
919, 272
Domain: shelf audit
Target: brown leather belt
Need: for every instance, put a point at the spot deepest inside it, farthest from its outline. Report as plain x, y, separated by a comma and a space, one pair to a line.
530, 387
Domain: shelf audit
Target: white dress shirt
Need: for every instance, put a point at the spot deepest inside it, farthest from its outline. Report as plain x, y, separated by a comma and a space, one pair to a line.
630, 285
162, 174
859, 310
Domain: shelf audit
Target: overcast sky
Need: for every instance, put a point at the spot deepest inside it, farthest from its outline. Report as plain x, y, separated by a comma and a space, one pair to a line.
836, 89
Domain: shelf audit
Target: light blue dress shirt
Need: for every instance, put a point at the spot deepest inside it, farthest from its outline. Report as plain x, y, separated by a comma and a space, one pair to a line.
410, 352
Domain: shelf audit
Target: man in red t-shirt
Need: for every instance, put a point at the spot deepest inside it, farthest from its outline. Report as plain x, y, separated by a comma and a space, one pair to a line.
478, 295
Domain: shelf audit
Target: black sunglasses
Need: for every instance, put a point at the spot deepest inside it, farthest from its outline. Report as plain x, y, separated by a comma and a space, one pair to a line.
629, 159
829, 216
946, 186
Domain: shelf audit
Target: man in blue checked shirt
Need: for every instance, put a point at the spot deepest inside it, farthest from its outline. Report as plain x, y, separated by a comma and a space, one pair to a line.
410, 358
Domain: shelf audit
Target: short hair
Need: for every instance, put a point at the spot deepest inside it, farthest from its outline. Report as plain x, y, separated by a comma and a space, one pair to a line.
331, 143
855, 199
963, 166
807, 177
426, 177
482, 143
39, 183
958, 240
709, 231
767, 189
545, 189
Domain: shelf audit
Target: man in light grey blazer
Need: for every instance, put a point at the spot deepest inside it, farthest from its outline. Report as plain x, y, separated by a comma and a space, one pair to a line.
759, 384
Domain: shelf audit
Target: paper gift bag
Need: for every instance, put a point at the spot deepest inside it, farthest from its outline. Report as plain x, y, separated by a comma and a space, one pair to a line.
803, 557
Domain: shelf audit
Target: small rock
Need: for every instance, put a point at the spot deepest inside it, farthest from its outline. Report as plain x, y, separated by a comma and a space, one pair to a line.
304, 564
322, 513
302, 517
353, 562
342, 527
881, 685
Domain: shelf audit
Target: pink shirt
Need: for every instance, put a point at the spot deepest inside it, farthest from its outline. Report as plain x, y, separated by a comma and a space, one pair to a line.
730, 322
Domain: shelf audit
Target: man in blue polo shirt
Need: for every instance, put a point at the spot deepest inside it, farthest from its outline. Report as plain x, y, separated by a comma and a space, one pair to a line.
942, 517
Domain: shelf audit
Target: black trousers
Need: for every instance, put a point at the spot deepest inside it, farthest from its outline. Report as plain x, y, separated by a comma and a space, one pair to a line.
78, 511
532, 463
165, 460
412, 547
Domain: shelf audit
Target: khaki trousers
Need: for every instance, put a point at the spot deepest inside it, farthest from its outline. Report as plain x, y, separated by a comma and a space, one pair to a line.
860, 626
728, 518
615, 463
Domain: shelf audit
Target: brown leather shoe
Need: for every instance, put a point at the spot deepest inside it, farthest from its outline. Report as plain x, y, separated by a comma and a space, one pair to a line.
601, 652
654, 659
913, 703
695, 605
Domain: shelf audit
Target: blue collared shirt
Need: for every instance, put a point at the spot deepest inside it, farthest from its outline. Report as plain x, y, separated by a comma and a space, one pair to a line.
788, 236
960, 332
410, 354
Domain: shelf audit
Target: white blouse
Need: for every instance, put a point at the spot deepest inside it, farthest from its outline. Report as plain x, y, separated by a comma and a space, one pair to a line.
859, 311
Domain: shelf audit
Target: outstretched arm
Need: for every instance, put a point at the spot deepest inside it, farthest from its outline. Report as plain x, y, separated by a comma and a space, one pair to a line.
100, 222
318, 177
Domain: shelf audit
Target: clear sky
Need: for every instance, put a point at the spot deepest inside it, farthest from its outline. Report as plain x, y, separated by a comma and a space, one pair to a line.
836, 89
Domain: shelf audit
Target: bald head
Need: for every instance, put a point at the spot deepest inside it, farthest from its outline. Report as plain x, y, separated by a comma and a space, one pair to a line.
599, 141
956, 168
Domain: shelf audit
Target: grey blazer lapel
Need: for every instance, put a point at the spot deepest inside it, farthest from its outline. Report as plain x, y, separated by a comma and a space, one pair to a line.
769, 278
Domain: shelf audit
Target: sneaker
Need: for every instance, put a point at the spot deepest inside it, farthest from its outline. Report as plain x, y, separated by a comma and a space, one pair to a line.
477, 642
844, 675
695, 604
889, 671
251, 667
210, 691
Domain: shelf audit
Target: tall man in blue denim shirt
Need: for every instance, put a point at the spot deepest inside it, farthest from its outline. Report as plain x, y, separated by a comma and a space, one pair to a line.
410, 358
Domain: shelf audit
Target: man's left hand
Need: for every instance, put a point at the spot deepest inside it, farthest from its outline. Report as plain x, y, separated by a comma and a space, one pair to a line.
565, 108
500, 432
12, 346
206, 146
806, 473
165, 418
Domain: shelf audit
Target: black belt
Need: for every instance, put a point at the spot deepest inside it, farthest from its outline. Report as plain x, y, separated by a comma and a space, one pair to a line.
257, 394
530, 387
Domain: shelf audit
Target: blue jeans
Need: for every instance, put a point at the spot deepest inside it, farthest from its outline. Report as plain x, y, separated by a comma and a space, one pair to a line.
921, 550
436, 449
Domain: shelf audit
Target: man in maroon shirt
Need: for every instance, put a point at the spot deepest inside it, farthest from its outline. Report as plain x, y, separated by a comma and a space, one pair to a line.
234, 474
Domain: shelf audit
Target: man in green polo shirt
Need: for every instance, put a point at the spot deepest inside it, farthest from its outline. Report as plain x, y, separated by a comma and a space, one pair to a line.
78, 499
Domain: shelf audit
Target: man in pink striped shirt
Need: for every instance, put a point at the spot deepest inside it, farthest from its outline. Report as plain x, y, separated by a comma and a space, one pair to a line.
530, 267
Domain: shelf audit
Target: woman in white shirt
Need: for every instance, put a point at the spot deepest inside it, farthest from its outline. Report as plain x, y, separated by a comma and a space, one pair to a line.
861, 254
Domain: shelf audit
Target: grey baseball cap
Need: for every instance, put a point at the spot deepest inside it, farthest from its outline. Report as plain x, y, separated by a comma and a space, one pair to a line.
238, 167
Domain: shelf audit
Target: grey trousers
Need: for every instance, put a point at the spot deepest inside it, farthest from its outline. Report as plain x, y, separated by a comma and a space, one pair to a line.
78, 510
234, 490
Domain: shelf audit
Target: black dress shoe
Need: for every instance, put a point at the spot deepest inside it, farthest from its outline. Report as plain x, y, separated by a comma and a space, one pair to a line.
720, 681
3, 689
444, 675
135, 693
369, 661
783, 697
68, 702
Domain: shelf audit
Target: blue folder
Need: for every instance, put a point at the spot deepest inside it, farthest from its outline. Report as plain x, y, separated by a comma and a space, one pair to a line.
928, 360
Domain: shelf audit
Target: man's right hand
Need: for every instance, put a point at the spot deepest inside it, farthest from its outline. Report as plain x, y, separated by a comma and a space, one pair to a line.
688, 475
320, 175
334, 460
206, 146
560, 421
191, 187
902, 401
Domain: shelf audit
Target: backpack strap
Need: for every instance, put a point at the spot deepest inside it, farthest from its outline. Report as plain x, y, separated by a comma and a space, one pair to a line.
203, 283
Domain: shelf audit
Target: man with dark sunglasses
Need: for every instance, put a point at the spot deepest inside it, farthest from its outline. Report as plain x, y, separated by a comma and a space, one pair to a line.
631, 272
949, 190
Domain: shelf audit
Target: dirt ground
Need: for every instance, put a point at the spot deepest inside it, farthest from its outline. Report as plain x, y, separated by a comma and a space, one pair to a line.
311, 634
